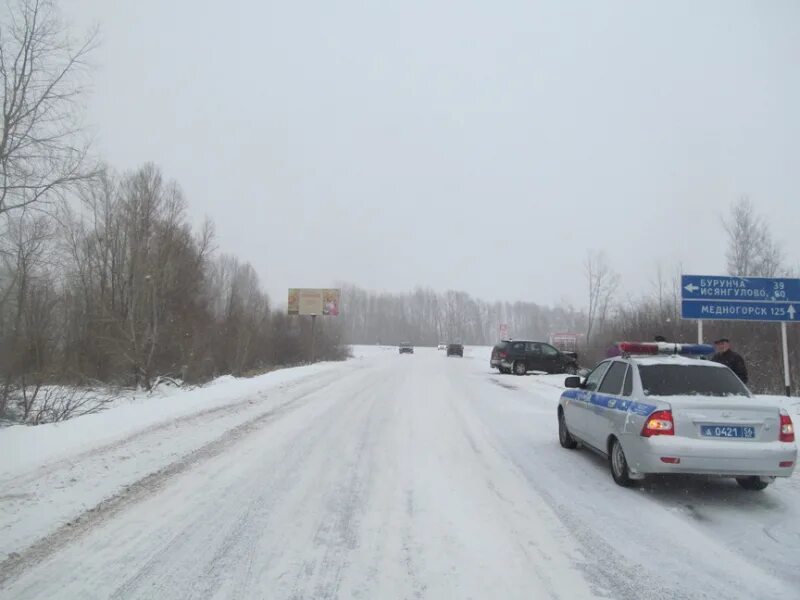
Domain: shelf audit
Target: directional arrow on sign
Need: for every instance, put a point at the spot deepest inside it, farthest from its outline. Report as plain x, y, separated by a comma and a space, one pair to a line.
691, 288
791, 311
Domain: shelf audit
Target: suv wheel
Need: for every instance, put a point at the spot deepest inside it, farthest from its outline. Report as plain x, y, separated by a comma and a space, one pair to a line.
519, 368
564, 436
619, 464
571, 369
505, 371
754, 484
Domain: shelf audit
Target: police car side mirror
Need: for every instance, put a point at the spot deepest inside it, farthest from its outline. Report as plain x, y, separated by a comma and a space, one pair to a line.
572, 382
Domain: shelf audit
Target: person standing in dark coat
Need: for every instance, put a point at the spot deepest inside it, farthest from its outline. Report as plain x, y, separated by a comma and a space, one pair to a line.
729, 358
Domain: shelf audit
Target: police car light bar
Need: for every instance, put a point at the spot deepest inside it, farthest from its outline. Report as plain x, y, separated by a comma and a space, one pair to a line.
648, 348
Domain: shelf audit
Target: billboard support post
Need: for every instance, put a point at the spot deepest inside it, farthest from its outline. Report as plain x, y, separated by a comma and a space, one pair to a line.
313, 337
786, 377
313, 302
700, 331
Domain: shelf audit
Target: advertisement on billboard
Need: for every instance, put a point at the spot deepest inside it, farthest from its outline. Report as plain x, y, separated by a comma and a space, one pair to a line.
314, 301
330, 302
566, 342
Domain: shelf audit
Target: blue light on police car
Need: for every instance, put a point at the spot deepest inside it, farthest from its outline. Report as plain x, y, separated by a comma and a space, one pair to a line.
695, 349
650, 348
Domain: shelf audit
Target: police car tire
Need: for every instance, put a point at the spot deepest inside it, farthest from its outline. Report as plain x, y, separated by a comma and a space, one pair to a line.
519, 368
754, 484
621, 477
564, 436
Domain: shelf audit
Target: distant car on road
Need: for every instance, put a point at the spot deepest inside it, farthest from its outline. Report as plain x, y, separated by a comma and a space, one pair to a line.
442, 347
455, 350
651, 412
521, 356
406, 349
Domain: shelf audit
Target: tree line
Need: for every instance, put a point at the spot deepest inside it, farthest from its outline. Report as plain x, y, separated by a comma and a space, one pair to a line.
102, 278
427, 317
117, 287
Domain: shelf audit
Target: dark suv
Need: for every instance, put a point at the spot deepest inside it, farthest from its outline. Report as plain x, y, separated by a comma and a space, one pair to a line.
455, 350
520, 356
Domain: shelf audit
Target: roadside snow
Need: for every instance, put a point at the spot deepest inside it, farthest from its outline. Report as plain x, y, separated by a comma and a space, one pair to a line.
24, 447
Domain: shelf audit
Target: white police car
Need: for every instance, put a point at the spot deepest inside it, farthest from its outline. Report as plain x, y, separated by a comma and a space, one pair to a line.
658, 408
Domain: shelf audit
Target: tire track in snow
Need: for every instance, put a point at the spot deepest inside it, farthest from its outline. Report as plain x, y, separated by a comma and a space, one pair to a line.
18, 562
480, 457
40, 473
337, 534
229, 535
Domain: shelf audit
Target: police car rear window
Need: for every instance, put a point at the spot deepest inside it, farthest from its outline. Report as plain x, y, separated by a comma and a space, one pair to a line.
690, 380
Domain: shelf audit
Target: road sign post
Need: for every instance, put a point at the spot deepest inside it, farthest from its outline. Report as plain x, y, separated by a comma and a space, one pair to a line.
786, 379
718, 297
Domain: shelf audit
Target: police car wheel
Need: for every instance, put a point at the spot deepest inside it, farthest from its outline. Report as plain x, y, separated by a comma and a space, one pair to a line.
754, 484
564, 436
519, 368
619, 464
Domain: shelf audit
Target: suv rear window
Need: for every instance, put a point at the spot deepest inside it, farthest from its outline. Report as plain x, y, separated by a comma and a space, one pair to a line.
690, 380
501, 346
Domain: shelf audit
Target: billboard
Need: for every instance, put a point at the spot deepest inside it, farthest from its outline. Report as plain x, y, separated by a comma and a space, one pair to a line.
566, 342
314, 301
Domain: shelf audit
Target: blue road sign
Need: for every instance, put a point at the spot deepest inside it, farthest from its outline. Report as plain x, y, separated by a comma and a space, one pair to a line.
740, 311
740, 298
763, 289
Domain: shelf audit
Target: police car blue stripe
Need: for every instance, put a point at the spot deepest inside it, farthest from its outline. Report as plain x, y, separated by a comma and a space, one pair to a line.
611, 402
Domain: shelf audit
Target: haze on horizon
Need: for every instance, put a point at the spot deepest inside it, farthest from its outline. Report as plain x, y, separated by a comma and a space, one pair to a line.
485, 148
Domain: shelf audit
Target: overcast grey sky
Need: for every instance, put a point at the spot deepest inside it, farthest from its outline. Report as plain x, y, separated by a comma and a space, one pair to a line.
482, 146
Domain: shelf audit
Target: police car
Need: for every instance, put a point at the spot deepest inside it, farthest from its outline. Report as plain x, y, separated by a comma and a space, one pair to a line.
658, 408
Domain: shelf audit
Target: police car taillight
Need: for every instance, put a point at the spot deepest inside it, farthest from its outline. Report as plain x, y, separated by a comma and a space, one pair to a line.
787, 428
659, 423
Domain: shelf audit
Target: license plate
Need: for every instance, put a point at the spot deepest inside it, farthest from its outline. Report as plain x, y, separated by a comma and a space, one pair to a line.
728, 431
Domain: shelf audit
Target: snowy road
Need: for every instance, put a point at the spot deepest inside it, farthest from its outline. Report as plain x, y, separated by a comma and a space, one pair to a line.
387, 477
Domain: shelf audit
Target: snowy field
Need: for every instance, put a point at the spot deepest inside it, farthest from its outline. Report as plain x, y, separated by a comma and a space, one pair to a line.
387, 476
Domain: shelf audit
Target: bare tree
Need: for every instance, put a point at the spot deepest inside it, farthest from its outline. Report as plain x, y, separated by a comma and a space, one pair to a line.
26, 299
751, 248
602, 283
43, 78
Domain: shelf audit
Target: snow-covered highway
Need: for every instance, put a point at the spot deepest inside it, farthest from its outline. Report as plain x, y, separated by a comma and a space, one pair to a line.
383, 477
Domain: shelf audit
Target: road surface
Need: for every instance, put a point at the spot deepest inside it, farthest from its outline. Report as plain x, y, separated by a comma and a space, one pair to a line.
388, 477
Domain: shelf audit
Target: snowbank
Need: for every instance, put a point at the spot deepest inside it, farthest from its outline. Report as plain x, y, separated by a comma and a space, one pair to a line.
23, 447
